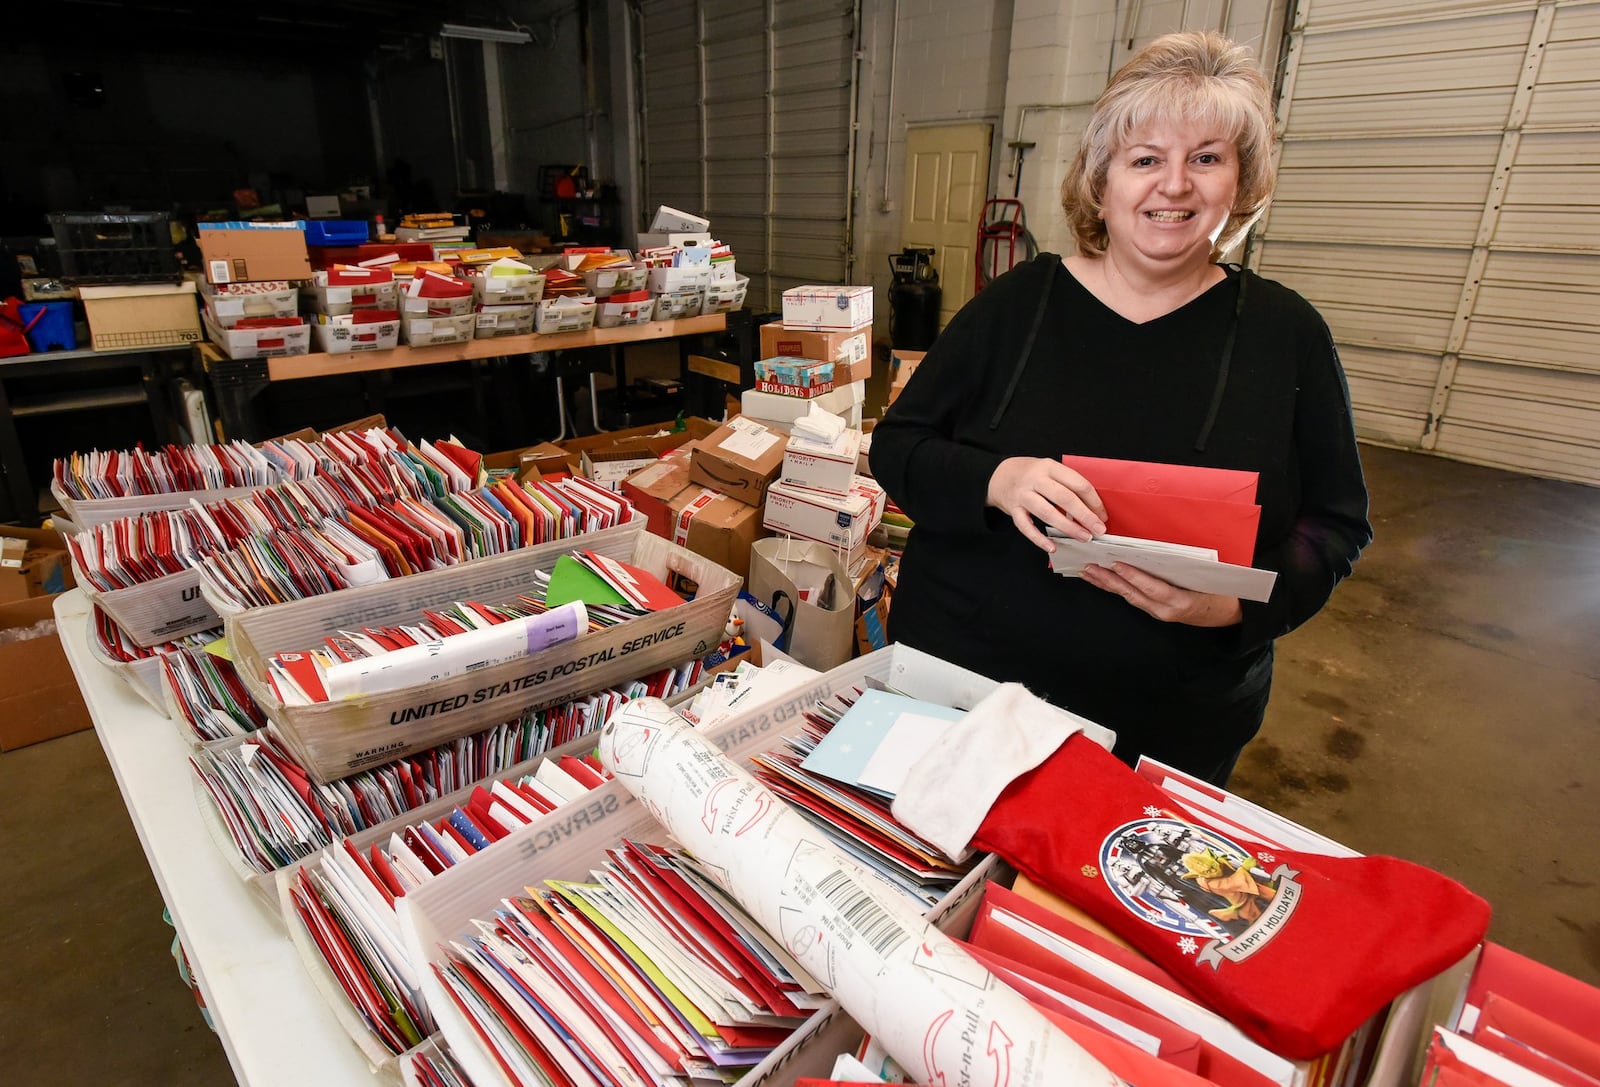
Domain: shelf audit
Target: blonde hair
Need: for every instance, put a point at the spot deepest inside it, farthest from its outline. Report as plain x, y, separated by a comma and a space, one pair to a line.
1199, 77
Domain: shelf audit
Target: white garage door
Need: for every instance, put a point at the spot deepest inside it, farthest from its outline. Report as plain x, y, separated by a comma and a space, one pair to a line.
1439, 201
747, 115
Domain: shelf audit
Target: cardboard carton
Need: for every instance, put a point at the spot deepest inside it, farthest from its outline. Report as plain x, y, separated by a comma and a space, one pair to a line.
33, 562
902, 364
39, 697
715, 527
240, 252
651, 490
740, 460
850, 347
531, 462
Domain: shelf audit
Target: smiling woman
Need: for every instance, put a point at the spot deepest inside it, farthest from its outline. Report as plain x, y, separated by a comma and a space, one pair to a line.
1139, 346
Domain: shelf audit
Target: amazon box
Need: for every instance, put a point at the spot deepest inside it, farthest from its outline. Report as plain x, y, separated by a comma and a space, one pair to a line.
716, 527
740, 460
39, 698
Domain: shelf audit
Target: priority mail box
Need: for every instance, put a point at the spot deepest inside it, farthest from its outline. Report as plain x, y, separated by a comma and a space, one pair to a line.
818, 309
851, 347
739, 460
715, 527
240, 252
822, 467
840, 520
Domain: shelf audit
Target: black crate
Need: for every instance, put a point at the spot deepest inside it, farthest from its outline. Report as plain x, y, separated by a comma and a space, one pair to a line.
98, 249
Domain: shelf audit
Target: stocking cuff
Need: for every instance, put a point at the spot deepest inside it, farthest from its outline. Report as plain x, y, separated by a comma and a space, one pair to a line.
949, 791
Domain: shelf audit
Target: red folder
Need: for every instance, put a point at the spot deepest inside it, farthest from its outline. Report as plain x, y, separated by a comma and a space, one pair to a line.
1177, 503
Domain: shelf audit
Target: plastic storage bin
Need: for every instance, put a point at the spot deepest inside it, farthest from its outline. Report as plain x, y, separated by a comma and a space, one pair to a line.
102, 249
336, 232
54, 332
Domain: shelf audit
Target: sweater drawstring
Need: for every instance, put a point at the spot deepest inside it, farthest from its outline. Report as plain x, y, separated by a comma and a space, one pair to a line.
1222, 370
1052, 262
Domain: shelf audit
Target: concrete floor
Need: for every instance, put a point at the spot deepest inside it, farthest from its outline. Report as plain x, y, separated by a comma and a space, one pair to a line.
1445, 707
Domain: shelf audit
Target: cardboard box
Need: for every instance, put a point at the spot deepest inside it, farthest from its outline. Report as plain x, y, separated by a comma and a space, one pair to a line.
851, 346
260, 343
740, 460
346, 299
820, 467
803, 378
817, 308
531, 462
227, 306
33, 562
338, 335
902, 364
39, 697
715, 527
494, 321
656, 439
651, 490
238, 252
146, 315
422, 331
775, 410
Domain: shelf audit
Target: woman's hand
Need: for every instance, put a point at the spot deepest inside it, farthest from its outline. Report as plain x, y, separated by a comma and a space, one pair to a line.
1163, 600
1035, 487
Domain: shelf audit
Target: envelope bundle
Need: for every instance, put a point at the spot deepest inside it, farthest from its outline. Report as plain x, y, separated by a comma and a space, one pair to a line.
356, 308
690, 272
436, 308
1194, 527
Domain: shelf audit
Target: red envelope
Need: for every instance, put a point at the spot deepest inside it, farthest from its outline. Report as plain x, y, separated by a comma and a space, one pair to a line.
1533, 1041
1541, 989
1177, 1046
1177, 503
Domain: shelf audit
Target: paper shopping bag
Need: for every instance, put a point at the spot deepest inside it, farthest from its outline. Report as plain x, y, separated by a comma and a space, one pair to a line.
808, 580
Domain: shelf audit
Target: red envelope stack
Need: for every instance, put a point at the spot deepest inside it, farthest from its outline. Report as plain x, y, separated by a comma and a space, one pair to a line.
1177, 503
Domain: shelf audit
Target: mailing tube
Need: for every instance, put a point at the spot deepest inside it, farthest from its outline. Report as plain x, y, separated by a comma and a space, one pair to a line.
939, 1012
429, 662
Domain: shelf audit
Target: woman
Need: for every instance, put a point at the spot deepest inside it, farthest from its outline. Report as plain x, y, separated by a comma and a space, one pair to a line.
1140, 347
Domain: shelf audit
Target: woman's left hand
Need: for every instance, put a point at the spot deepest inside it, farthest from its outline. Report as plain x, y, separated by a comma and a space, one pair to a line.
1163, 600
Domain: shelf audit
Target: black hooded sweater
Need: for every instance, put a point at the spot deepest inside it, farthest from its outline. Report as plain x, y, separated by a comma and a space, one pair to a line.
1259, 390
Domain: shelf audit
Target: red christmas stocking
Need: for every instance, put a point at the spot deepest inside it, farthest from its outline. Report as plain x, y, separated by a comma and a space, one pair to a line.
1297, 950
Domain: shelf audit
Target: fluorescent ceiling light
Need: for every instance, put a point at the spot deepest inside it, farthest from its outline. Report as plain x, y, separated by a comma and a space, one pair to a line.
485, 34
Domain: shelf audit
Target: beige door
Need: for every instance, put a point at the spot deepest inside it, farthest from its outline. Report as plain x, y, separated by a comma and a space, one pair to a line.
947, 178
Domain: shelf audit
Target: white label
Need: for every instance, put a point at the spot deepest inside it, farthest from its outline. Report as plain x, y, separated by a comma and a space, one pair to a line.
749, 439
219, 272
422, 327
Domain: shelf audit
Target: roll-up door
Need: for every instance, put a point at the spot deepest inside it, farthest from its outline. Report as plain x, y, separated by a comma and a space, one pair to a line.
746, 115
1437, 200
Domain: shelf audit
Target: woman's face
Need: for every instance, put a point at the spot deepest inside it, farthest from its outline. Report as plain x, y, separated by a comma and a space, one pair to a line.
1168, 193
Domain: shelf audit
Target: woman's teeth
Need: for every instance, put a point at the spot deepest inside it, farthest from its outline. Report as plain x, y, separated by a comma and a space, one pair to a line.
1169, 216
